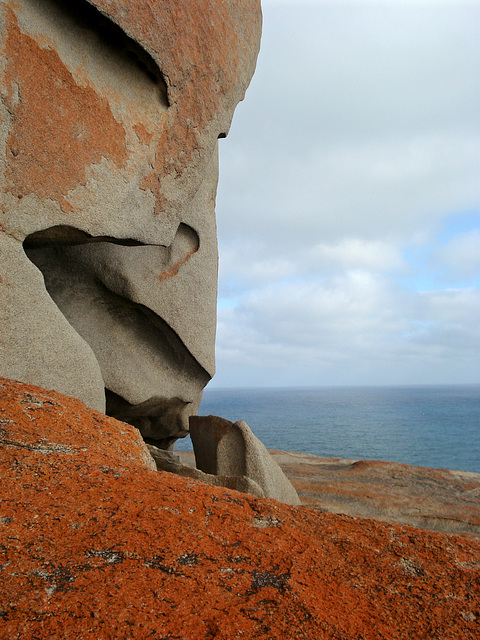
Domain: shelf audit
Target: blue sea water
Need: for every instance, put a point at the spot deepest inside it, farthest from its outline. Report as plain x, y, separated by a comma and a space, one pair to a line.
430, 426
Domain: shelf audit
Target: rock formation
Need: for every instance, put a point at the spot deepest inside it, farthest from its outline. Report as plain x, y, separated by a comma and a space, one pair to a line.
224, 448
435, 499
96, 544
109, 118
167, 461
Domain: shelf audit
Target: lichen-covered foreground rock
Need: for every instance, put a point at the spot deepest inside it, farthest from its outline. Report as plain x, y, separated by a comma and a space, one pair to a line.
96, 544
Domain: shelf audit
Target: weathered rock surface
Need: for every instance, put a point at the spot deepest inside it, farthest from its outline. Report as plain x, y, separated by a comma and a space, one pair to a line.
224, 448
110, 113
432, 499
435, 499
96, 544
166, 461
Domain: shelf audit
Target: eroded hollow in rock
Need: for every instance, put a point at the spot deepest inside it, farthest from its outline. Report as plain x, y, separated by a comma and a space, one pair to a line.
146, 416
98, 38
103, 287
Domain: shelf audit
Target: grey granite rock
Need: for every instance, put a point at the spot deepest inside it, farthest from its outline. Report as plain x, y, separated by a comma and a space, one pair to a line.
110, 113
165, 461
225, 448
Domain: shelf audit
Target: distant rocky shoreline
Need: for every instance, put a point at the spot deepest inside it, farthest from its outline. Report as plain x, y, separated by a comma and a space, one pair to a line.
433, 499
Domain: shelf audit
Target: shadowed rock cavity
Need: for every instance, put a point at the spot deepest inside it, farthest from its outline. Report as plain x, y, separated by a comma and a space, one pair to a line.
92, 32
151, 379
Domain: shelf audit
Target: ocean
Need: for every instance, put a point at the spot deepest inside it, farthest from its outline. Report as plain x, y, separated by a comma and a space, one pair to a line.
429, 426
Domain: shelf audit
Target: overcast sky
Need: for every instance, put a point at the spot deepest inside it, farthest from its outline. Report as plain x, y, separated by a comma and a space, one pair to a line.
348, 207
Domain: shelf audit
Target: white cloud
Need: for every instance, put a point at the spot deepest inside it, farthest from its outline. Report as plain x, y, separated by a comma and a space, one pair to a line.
358, 254
355, 329
373, 190
358, 138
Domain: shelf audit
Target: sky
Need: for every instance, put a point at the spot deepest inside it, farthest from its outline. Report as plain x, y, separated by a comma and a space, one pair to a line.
348, 207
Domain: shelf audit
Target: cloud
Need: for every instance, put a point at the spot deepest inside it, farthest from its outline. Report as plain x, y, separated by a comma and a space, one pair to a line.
244, 267
373, 189
351, 329
356, 145
460, 258
357, 253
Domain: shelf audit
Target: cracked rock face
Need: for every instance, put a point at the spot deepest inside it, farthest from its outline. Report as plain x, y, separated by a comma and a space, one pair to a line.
110, 115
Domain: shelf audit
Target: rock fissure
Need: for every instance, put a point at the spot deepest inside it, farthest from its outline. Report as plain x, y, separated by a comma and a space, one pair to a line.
100, 31
39, 447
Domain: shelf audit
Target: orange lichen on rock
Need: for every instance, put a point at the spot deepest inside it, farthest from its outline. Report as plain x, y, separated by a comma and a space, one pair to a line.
50, 149
142, 133
203, 50
436, 499
94, 544
45, 422
175, 268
